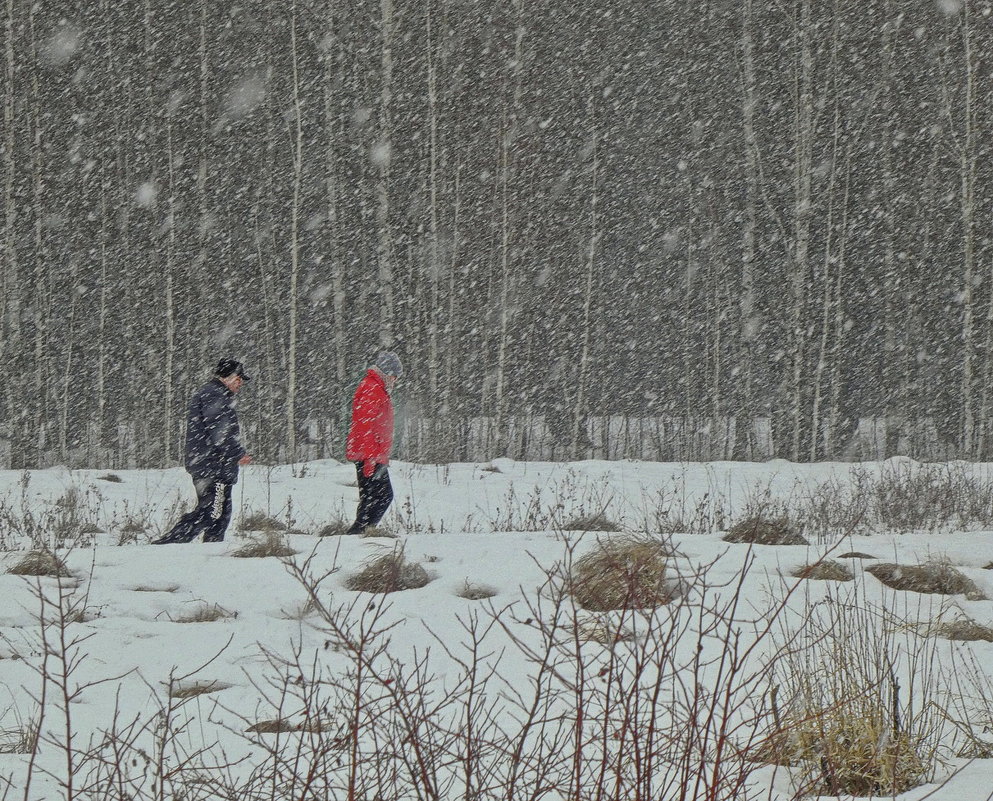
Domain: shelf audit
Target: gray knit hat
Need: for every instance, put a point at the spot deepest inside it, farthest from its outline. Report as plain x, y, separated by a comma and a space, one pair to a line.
389, 363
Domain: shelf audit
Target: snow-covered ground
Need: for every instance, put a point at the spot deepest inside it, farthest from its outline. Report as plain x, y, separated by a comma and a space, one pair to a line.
501, 529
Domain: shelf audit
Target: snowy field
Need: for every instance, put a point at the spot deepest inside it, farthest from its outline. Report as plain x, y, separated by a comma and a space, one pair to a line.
187, 672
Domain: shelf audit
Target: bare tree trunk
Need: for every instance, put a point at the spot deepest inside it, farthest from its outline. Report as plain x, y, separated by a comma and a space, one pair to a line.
749, 251
508, 174
580, 410
383, 159
816, 423
802, 174
434, 257
291, 353
333, 67
170, 311
967, 178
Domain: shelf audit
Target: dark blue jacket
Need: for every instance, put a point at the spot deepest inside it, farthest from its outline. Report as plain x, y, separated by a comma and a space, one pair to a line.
213, 443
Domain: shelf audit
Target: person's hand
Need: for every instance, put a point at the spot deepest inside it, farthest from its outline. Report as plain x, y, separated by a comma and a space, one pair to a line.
368, 468
246, 459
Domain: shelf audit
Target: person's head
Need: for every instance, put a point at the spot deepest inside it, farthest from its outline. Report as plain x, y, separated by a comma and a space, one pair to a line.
389, 366
231, 373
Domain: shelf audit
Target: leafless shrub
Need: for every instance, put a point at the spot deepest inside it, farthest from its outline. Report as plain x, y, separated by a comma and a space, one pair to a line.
388, 573
826, 570
272, 544
623, 573
931, 578
761, 530
606, 630
40, 563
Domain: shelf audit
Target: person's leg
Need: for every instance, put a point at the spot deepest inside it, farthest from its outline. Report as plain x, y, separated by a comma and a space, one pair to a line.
220, 513
192, 523
380, 495
375, 497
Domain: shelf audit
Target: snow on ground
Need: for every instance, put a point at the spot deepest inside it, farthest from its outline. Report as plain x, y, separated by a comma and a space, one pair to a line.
496, 526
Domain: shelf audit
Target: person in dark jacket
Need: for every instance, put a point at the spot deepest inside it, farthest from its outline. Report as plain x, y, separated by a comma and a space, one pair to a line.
213, 455
370, 440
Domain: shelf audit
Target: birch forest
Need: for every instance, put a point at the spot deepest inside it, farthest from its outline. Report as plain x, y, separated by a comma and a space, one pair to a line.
674, 229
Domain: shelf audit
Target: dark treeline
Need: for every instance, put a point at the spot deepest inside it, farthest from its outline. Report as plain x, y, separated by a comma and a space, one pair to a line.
759, 211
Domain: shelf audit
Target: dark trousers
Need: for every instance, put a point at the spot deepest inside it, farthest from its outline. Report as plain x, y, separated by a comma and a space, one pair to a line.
375, 497
210, 517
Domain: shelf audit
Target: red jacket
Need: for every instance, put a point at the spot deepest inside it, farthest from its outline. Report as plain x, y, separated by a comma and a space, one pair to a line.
371, 436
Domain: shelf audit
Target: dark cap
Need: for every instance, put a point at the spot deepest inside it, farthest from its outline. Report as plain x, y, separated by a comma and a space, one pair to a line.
229, 367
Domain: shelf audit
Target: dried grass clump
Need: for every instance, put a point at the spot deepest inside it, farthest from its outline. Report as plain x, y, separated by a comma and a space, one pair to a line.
828, 570
476, 592
625, 573
847, 753
930, 578
40, 563
205, 613
22, 739
597, 522
113, 478
389, 573
379, 531
257, 521
183, 691
160, 588
963, 630
856, 555
271, 545
605, 631
336, 528
759, 530
278, 726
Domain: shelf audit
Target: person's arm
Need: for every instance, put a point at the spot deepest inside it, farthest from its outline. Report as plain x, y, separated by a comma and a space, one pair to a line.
221, 425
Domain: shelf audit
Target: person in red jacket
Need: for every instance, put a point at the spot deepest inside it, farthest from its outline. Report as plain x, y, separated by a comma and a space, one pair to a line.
370, 440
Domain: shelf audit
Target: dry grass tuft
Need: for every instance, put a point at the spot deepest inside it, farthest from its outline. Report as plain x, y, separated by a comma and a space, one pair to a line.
856, 555
930, 578
989, 566
824, 571
388, 573
476, 592
205, 613
272, 544
604, 631
759, 530
597, 522
336, 528
160, 588
113, 478
40, 563
183, 691
379, 531
844, 753
278, 726
22, 739
962, 630
622, 573
257, 521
